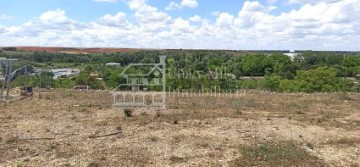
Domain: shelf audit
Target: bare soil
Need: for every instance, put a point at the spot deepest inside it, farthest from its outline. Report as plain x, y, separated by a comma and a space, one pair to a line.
80, 128
76, 50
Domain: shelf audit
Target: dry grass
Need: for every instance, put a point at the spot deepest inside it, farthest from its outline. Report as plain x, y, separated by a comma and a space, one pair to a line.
282, 153
62, 128
344, 141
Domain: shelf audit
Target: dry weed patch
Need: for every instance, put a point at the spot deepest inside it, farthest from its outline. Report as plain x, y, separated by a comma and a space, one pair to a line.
282, 153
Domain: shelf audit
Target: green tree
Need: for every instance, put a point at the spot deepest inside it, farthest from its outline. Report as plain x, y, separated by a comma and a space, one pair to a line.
64, 83
282, 66
255, 64
321, 79
351, 61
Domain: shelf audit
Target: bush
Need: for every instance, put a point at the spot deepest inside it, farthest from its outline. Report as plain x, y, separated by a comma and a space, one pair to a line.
272, 83
289, 86
128, 112
321, 79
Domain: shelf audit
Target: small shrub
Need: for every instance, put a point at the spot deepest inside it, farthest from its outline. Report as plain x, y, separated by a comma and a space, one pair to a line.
128, 112
175, 159
310, 146
119, 128
177, 138
153, 138
11, 140
20, 164
285, 153
157, 114
94, 164
51, 147
238, 112
176, 121
84, 110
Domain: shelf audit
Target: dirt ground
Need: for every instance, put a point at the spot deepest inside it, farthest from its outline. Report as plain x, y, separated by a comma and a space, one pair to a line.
80, 128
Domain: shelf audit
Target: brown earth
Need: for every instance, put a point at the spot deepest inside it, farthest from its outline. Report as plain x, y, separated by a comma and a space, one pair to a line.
75, 50
79, 128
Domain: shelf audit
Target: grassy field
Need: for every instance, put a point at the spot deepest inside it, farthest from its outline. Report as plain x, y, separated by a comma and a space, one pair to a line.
79, 128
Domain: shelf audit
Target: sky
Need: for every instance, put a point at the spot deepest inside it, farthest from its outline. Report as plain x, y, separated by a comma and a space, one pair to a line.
186, 24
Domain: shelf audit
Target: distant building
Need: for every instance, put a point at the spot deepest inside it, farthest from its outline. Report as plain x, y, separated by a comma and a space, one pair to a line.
65, 72
82, 87
292, 54
112, 64
357, 76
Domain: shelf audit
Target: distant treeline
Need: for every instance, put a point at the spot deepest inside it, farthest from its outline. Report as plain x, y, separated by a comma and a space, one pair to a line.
9, 49
306, 72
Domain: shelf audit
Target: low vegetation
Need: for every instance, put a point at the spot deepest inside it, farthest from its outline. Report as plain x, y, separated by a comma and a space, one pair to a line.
257, 128
281, 153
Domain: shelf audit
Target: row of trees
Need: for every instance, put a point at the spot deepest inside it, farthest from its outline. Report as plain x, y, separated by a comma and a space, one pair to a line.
308, 72
321, 79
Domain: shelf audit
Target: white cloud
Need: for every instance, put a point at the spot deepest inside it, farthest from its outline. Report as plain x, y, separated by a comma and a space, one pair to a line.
118, 20
189, 3
173, 5
5, 17
2, 29
317, 26
149, 17
56, 16
184, 3
195, 18
225, 20
251, 13
181, 25
311, 1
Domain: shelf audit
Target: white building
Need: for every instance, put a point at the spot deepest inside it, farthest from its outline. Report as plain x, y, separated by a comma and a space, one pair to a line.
112, 64
65, 72
292, 54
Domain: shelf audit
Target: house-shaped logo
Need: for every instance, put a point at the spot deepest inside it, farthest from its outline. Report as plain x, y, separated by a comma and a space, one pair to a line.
144, 86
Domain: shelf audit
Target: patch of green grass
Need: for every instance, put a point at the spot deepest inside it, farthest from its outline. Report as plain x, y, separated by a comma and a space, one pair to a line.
283, 153
11, 140
20, 164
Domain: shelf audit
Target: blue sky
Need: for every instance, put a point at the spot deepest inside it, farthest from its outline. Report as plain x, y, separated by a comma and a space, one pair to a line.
193, 24
88, 10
